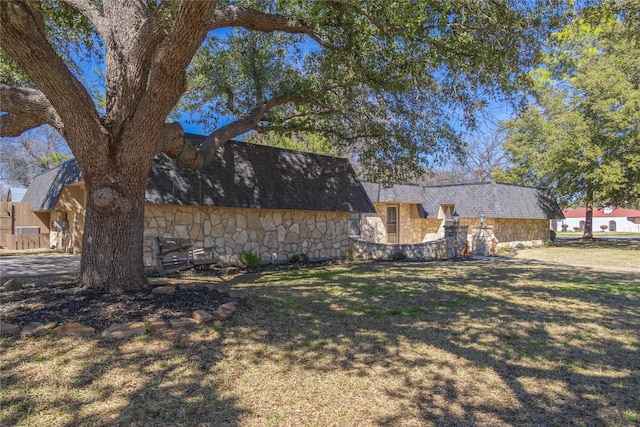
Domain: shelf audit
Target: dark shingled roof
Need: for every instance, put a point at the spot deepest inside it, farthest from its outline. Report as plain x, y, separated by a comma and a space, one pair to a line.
491, 199
45, 189
242, 176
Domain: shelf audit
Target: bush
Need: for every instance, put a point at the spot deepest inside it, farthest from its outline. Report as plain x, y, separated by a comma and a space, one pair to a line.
250, 260
565, 227
521, 246
603, 227
350, 256
576, 229
552, 236
298, 259
549, 243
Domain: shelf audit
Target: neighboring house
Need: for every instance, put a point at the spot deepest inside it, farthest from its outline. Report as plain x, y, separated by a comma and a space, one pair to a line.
412, 213
616, 219
254, 198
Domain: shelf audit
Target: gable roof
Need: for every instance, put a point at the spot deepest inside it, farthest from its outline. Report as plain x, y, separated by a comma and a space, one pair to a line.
599, 212
491, 199
45, 189
242, 176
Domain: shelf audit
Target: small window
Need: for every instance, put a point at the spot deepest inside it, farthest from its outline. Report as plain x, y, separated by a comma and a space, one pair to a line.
354, 225
392, 224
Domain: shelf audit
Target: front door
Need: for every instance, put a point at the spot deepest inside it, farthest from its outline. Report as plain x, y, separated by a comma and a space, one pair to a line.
392, 224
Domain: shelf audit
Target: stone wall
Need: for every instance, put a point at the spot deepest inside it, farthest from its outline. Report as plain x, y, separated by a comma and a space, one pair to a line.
436, 249
224, 234
530, 232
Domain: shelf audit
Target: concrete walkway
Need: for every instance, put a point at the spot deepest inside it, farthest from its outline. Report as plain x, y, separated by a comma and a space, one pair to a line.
38, 265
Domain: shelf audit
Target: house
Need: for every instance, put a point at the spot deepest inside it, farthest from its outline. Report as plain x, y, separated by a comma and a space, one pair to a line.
412, 213
252, 198
616, 219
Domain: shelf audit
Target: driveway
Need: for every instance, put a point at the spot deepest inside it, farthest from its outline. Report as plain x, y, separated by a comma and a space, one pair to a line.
38, 265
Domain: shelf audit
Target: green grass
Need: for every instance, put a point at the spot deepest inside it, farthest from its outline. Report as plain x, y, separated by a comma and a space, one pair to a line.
595, 252
411, 344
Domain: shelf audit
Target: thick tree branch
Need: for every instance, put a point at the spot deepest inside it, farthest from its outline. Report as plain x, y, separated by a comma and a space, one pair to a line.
238, 16
23, 37
168, 80
173, 143
27, 108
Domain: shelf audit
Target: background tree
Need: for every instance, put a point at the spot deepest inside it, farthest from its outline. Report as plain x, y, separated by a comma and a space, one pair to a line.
380, 76
581, 136
31, 153
483, 157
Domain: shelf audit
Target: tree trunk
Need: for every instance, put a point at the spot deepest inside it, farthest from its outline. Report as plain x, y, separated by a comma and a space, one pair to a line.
113, 236
588, 220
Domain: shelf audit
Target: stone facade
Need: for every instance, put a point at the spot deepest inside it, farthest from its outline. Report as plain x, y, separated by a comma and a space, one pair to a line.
223, 234
414, 229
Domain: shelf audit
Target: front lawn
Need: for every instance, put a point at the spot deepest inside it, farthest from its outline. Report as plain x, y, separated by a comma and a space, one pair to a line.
598, 252
388, 344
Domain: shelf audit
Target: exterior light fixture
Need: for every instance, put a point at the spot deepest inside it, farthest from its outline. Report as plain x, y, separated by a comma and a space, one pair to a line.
481, 220
456, 218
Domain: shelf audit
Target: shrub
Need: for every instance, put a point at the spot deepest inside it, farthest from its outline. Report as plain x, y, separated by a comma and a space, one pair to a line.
552, 235
565, 227
398, 256
576, 229
521, 246
504, 249
350, 256
250, 260
603, 227
549, 243
298, 259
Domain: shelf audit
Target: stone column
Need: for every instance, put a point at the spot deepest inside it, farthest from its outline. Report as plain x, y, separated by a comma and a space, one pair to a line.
481, 240
456, 237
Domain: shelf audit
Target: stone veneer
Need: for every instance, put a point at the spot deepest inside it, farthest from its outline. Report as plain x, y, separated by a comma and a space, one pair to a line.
224, 234
436, 249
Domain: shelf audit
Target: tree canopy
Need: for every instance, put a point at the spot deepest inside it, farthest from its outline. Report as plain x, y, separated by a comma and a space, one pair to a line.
393, 80
581, 136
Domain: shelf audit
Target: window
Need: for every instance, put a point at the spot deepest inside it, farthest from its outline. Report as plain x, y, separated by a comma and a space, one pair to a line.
392, 224
354, 225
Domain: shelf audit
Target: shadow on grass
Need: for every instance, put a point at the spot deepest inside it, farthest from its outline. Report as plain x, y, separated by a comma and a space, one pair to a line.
442, 343
165, 379
562, 344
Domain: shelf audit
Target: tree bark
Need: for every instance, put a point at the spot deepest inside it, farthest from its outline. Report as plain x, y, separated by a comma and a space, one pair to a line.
112, 243
588, 220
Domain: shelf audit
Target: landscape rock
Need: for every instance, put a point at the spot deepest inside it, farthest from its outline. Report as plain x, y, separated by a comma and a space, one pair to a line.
35, 328
12, 285
187, 286
164, 290
202, 316
124, 330
155, 324
74, 329
8, 328
182, 322
224, 311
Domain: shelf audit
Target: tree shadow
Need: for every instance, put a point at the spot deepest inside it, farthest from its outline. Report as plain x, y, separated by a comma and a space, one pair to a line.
552, 343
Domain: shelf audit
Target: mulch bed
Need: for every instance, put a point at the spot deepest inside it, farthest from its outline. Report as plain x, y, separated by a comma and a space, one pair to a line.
64, 303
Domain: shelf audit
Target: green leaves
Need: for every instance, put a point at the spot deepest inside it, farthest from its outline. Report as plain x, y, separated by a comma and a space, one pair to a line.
584, 128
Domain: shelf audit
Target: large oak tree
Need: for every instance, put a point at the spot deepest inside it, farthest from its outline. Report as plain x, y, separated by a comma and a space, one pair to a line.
391, 79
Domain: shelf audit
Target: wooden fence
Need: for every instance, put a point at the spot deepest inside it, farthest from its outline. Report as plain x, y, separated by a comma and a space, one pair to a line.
20, 228
25, 241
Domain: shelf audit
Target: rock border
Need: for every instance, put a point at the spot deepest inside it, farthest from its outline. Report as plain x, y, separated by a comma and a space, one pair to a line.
130, 329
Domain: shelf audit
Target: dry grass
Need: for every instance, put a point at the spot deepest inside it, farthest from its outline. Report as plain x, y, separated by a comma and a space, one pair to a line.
391, 344
620, 253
